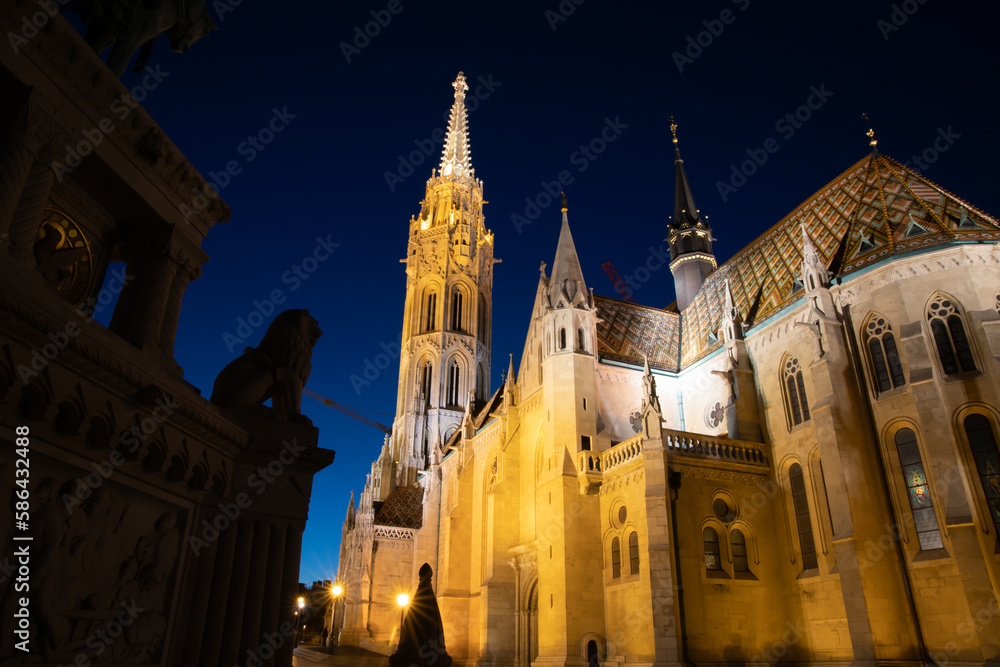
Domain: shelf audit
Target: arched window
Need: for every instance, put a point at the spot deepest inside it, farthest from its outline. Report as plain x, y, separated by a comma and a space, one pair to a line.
430, 312
918, 491
712, 558
616, 558
804, 524
426, 381
581, 344
949, 335
987, 457
483, 328
739, 545
562, 338
881, 346
633, 552
456, 310
795, 392
453, 382
686, 243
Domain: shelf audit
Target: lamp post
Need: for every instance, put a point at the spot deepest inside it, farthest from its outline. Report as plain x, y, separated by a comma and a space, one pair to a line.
337, 590
402, 600
295, 639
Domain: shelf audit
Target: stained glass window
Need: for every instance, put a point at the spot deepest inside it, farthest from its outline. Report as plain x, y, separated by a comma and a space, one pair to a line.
795, 392
739, 544
987, 458
924, 519
950, 338
712, 560
881, 344
802, 520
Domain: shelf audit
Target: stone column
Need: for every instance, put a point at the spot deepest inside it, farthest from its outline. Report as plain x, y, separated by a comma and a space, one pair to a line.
255, 591
236, 608
204, 565
273, 604
17, 153
221, 581
27, 216
140, 311
289, 588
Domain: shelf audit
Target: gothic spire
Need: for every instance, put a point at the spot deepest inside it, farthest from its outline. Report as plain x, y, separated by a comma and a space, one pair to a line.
732, 323
566, 272
510, 374
685, 211
456, 159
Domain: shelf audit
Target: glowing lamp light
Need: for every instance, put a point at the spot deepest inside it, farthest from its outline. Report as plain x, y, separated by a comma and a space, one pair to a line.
302, 602
402, 599
338, 590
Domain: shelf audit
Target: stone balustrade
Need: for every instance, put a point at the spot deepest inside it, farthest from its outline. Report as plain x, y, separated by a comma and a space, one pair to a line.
712, 447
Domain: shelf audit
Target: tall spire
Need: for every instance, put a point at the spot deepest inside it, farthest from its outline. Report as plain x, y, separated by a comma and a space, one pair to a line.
566, 272
685, 211
456, 160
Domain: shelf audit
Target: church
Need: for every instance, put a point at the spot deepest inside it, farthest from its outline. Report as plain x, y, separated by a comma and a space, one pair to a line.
796, 462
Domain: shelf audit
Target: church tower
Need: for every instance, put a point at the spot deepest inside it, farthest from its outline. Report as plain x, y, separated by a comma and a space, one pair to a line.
445, 356
690, 237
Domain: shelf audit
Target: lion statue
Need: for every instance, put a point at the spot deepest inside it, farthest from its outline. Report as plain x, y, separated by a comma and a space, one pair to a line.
277, 368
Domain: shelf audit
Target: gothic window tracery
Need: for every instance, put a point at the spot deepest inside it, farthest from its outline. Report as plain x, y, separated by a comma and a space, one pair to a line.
616, 558
738, 543
454, 376
794, 386
430, 311
633, 552
950, 338
456, 310
884, 356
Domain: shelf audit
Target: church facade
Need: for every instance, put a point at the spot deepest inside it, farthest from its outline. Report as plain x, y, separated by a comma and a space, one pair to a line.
798, 463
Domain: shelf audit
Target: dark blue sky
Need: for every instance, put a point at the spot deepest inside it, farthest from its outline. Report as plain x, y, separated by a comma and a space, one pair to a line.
551, 91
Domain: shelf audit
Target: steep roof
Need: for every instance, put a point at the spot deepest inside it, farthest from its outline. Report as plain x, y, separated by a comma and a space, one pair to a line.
875, 210
629, 332
403, 508
567, 276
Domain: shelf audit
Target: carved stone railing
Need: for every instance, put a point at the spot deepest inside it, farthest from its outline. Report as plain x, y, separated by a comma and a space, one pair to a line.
394, 533
711, 447
622, 453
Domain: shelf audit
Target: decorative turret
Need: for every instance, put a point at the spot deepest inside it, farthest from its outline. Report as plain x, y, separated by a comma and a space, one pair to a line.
566, 284
690, 236
816, 280
732, 321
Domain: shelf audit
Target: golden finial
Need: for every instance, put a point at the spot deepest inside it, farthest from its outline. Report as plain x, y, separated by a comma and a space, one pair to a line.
872, 141
673, 128
565, 205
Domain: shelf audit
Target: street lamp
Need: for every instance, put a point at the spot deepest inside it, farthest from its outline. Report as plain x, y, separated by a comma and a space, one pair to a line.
402, 600
302, 604
337, 590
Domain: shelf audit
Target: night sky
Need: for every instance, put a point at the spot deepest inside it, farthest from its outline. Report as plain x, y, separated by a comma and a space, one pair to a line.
549, 77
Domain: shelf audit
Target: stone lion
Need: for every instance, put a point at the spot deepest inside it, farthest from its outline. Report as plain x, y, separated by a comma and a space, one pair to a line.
277, 368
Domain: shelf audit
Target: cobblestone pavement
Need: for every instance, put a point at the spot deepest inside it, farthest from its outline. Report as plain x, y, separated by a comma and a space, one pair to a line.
346, 656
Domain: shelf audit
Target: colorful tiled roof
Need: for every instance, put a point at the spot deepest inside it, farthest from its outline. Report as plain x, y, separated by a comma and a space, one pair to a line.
629, 332
403, 508
876, 209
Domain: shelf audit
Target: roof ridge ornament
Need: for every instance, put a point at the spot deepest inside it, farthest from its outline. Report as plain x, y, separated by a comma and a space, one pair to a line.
872, 141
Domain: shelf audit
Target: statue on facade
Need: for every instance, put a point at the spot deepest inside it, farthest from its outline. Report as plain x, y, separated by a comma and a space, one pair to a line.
421, 640
128, 26
277, 369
